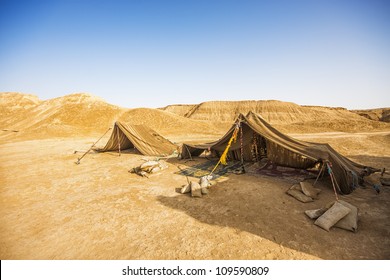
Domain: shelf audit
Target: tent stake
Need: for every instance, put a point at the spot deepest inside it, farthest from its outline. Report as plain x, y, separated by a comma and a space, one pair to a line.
79, 159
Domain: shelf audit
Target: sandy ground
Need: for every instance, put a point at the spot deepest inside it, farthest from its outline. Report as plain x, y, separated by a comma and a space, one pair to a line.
51, 208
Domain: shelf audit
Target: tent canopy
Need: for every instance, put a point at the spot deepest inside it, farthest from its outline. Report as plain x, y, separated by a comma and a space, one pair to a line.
144, 139
260, 139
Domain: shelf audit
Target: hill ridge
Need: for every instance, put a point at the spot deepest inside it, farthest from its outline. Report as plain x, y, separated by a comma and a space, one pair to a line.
83, 113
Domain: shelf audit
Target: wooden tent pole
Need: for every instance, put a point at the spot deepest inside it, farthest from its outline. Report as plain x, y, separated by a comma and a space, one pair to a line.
242, 148
319, 174
332, 179
188, 152
119, 142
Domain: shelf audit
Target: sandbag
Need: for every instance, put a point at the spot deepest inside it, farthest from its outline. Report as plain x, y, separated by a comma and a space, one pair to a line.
149, 165
314, 214
373, 179
385, 181
350, 221
186, 188
299, 196
155, 169
332, 216
296, 187
205, 181
309, 190
162, 164
196, 191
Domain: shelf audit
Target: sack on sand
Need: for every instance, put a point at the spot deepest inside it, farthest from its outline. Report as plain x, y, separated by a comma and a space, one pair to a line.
296, 187
149, 165
155, 169
299, 196
385, 181
205, 181
196, 191
309, 190
314, 214
186, 188
350, 221
332, 216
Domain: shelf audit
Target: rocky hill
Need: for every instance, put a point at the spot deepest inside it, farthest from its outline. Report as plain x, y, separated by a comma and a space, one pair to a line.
71, 115
285, 115
82, 114
171, 125
178, 109
380, 114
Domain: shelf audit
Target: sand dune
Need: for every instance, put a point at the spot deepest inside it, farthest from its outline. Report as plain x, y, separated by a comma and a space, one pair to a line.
15, 105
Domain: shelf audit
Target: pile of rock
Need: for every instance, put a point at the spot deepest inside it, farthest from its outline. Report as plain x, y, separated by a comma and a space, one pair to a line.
197, 189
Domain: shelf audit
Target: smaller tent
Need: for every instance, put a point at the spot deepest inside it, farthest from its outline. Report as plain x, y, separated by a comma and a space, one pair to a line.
147, 141
258, 139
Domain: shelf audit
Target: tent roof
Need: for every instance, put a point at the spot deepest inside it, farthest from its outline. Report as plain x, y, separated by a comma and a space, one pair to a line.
144, 139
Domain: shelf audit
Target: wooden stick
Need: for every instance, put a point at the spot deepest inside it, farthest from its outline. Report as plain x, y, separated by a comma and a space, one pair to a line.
79, 159
332, 179
319, 174
188, 152
119, 142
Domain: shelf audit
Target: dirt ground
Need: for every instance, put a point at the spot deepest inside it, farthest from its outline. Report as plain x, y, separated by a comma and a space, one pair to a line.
51, 208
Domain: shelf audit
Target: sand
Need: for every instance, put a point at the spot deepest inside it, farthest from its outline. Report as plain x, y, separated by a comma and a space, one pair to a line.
51, 208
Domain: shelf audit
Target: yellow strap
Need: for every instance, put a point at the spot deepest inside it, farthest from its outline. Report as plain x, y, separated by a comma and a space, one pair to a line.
224, 154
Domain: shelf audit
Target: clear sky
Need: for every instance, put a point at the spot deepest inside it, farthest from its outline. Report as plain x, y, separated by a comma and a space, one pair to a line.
153, 53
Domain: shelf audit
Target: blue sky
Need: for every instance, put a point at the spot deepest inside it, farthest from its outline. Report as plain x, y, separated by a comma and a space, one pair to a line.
154, 53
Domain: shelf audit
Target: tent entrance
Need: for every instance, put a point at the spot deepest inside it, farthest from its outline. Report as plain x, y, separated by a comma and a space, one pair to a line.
254, 147
258, 147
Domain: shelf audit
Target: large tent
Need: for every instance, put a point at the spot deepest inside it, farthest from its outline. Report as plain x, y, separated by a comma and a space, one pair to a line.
144, 139
258, 139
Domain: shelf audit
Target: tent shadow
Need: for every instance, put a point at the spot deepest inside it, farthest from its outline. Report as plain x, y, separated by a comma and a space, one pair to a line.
263, 209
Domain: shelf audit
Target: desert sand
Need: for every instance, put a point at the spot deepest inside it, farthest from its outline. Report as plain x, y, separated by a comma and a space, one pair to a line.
52, 208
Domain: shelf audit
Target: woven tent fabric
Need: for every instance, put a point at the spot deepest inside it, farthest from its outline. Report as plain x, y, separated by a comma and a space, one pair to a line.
284, 150
144, 139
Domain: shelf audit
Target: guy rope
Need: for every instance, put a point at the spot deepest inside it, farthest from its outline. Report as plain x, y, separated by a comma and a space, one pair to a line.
79, 159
